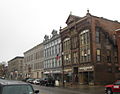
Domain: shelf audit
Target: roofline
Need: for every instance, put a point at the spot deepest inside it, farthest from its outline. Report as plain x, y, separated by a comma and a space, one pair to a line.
106, 19
82, 18
33, 48
16, 58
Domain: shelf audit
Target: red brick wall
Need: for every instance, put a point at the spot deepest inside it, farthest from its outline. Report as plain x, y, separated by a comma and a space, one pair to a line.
118, 43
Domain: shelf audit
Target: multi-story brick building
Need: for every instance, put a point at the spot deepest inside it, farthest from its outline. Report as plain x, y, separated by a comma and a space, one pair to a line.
89, 50
33, 62
117, 32
15, 68
52, 56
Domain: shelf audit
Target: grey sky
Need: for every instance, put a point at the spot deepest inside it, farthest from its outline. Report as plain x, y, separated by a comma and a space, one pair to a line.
23, 23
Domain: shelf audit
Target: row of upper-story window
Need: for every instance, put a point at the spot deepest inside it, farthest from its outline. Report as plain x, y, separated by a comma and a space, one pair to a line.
52, 43
52, 63
28, 67
38, 65
85, 52
84, 39
16, 63
35, 66
33, 56
109, 58
53, 50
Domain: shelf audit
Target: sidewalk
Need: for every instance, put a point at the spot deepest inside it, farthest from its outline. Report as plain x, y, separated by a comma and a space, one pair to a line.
82, 86
86, 89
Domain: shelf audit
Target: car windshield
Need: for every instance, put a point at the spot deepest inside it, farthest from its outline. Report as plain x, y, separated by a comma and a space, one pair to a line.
117, 83
18, 89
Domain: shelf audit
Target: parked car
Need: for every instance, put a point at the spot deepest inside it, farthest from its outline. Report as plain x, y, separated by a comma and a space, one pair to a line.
113, 88
47, 82
16, 87
30, 80
36, 81
25, 79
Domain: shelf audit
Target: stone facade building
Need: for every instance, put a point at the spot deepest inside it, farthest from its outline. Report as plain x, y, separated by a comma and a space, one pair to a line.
52, 56
3, 70
33, 62
89, 50
15, 68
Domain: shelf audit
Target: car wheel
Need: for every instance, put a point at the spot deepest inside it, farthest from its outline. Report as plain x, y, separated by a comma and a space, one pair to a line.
109, 91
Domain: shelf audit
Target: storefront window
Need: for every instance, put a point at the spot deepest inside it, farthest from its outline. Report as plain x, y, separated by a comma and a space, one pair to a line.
68, 77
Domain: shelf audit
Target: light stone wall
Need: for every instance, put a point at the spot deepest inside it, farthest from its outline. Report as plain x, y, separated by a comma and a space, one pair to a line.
33, 62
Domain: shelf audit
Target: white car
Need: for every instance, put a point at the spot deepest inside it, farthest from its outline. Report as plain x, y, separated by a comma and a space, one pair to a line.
36, 81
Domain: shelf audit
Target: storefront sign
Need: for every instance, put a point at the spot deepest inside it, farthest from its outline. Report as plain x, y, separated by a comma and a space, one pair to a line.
46, 72
67, 70
87, 68
55, 71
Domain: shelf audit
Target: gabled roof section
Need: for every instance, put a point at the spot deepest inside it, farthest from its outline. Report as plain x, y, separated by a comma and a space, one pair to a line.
71, 18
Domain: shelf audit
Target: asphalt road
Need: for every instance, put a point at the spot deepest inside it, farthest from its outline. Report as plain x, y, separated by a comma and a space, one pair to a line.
60, 90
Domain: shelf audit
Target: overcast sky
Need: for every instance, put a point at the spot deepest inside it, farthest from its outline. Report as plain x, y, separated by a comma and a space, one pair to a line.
23, 23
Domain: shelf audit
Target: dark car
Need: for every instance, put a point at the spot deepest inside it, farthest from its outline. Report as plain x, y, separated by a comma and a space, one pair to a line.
47, 82
16, 87
113, 88
25, 79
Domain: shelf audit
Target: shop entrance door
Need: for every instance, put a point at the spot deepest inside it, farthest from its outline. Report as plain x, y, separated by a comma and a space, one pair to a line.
88, 77
85, 77
75, 74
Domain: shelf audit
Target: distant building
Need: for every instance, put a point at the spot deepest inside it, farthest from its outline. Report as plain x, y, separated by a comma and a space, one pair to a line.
52, 56
1, 69
89, 50
15, 68
33, 62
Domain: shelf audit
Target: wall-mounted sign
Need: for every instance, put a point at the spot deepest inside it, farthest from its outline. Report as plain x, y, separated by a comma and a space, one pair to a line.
86, 68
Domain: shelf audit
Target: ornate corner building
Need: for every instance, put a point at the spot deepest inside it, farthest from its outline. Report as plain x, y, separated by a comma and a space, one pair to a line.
89, 50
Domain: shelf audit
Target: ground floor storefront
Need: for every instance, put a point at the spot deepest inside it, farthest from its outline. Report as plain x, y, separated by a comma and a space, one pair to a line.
86, 75
78, 75
89, 75
55, 73
37, 74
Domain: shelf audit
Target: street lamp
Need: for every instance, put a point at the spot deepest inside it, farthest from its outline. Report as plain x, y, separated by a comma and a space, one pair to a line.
63, 69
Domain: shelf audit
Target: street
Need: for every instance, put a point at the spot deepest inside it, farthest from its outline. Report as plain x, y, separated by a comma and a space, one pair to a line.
60, 90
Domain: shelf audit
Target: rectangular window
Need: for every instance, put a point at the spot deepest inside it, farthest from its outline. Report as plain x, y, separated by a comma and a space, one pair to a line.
98, 53
84, 38
74, 42
75, 57
108, 56
97, 35
116, 57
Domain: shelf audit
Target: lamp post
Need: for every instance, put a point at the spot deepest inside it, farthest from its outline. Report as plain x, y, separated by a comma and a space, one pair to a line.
63, 69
